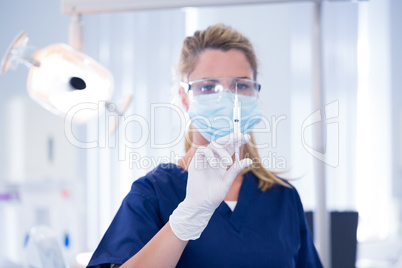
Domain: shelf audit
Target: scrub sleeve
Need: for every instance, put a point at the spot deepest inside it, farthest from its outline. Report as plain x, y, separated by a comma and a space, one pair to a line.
266, 229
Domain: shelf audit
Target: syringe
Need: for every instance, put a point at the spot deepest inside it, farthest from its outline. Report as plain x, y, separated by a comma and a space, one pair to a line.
236, 125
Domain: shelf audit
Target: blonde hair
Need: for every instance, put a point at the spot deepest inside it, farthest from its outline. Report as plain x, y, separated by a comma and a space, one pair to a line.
219, 37
224, 38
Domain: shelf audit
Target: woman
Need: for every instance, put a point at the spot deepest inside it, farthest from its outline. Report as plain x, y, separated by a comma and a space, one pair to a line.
175, 215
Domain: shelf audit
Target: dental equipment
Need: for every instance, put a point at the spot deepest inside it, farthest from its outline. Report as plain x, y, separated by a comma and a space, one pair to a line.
236, 125
61, 79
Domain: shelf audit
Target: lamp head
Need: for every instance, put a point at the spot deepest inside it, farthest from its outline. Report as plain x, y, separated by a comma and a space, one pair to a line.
61, 79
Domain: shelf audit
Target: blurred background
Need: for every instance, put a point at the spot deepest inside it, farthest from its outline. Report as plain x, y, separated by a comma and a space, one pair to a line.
73, 177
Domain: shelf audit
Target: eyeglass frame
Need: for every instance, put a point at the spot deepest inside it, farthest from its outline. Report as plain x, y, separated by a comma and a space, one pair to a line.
187, 85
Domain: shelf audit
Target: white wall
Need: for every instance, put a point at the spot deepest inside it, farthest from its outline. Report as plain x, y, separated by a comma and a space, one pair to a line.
395, 8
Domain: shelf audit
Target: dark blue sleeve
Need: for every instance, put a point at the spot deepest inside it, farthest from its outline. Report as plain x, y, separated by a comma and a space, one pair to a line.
135, 223
308, 256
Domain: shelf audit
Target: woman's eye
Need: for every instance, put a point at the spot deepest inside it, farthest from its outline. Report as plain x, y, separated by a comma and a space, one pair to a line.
207, 88
243, 86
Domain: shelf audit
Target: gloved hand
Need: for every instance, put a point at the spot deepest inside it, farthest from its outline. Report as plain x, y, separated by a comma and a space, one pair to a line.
209, 180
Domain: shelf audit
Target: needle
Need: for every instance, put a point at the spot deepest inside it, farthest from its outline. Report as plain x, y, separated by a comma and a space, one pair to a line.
236, 126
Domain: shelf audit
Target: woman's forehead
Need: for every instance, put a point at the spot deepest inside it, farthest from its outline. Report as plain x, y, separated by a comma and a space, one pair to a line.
213, 63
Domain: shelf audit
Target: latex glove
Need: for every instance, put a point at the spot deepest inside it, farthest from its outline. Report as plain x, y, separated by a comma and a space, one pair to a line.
209, 180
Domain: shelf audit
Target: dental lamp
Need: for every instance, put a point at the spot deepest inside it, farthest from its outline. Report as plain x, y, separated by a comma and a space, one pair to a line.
61, 79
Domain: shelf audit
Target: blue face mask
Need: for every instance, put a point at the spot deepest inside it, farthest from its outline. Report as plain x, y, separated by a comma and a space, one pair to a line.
212, 114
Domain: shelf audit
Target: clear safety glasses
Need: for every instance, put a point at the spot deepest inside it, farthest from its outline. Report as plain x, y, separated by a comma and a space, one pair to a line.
207, 86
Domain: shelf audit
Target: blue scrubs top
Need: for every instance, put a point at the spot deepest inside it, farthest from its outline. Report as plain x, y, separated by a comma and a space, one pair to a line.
266, 229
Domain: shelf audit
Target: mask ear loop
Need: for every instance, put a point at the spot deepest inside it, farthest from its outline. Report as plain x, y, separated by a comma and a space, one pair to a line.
259, 100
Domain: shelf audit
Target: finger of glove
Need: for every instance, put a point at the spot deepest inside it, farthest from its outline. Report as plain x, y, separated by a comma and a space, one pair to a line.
235, 169
221, 155
231, 140
207, 154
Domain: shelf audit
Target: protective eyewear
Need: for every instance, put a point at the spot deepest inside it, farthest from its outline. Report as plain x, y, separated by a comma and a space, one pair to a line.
207, 86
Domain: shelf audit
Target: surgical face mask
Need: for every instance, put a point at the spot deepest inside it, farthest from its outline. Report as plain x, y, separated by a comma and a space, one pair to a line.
212, 115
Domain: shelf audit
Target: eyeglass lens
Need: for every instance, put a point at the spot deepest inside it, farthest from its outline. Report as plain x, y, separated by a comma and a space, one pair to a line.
211, 86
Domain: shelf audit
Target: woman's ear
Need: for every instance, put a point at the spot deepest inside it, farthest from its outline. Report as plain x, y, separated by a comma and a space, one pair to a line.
184, 98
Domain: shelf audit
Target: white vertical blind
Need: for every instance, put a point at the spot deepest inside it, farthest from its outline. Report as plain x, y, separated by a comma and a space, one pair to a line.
140, 49
373, 159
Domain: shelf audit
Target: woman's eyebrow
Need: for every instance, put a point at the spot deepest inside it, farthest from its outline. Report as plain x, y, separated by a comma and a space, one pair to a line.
210, 79
213, 79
